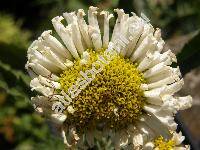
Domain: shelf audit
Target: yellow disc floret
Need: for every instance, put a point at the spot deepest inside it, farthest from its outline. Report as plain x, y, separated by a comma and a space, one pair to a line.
113, 98
162, 144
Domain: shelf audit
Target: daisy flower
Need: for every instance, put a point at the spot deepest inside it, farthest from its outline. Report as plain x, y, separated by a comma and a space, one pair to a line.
121, 87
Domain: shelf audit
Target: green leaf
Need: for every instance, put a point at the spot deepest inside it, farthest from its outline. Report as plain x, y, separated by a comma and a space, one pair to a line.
189, 57
6, 69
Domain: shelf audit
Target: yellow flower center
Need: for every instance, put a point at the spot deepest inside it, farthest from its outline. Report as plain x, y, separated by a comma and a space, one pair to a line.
163, 144
113, 98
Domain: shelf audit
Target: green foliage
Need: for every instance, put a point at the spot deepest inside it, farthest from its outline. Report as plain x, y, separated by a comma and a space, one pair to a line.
189, 57
13, 42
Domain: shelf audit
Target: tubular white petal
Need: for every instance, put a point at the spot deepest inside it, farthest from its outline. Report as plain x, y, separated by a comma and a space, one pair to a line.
65, 34
184, 102
167, 57
85, 58
46, 48
120, 31
169, 104
35, 53
160, 45
136, 26
63, 134
148, 146
145, 63
124, 34
56, 45
76, 35
57, 61
37, 57
48, 82
138, 140
107, 17
60, 98
115, 34
31, 73
146, 45
96, 38
167, 72
155, 70
147, 133
165, 81
158, 128
40, 70
164, 116
157, 34
154, 96
168, 121
58, 118
178, 138
175, 87
94, 30
120, 139
73, 135
36, 85
151, 108
84, 28
148, 30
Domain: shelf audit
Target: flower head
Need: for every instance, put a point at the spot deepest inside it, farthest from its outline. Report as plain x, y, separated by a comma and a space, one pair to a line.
93, 86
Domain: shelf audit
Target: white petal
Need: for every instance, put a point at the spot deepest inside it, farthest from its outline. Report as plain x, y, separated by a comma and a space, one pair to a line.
94, 30
161, 67
168, 80
58, 118
66, 35
147, 44
157, 34
145, 63
178, 138
107, 17
154, 96
76, 34
155, 125
167, 72
115, 35
175, 87
44, 61
56, 45
85, 58
136, 26
84, 28
148, 30
40, 70
36, 85
49, 83
148, 146
184, 102
167, 57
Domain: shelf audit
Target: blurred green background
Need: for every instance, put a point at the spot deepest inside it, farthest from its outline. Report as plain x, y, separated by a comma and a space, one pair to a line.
21, 21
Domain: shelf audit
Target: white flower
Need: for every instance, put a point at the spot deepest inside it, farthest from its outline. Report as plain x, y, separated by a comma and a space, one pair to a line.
130, 101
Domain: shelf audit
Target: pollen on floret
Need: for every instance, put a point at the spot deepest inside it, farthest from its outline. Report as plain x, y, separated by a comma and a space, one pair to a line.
113, 97
163, 144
